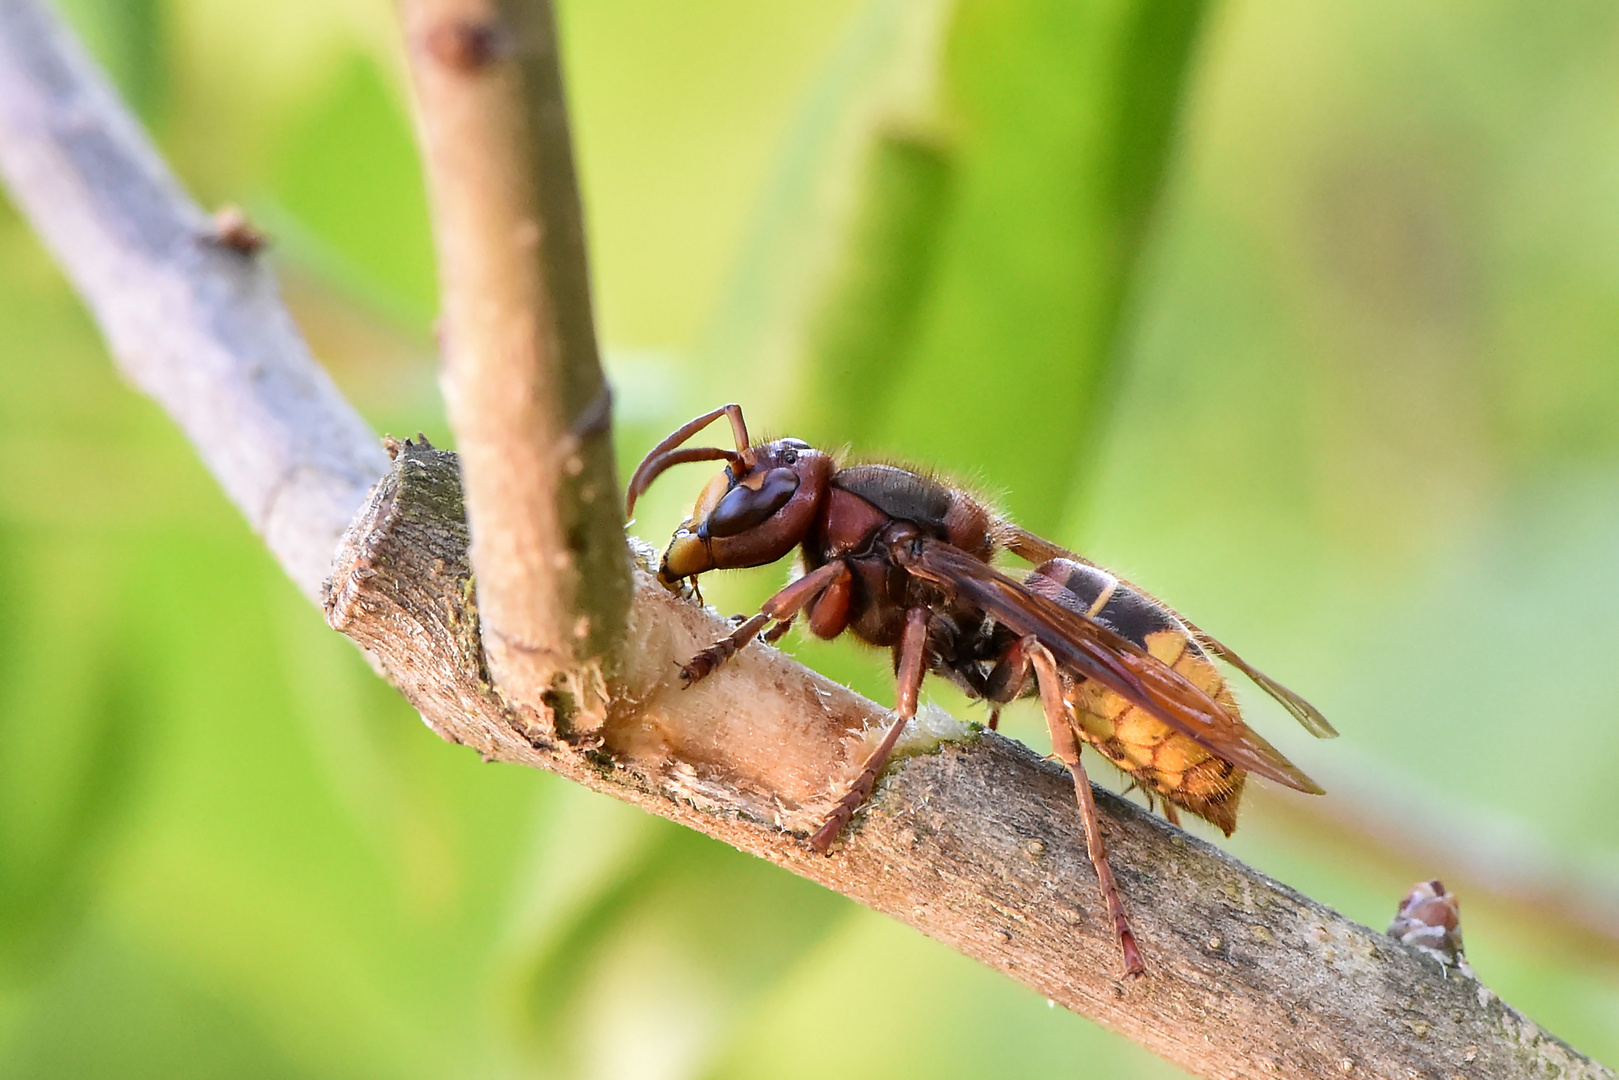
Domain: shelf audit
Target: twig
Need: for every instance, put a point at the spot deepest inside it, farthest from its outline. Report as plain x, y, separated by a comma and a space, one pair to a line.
191, 319
977, 844
527, 400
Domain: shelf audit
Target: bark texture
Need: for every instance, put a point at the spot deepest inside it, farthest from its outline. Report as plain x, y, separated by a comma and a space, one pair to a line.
974, 840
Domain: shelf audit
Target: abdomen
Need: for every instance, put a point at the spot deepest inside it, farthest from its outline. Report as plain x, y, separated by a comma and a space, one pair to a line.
1159, 758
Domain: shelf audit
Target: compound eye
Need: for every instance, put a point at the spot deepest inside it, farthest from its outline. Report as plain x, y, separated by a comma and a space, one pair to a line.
742, 507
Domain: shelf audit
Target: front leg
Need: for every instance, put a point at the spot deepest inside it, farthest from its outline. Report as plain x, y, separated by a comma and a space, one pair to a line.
782, 607
1006, 679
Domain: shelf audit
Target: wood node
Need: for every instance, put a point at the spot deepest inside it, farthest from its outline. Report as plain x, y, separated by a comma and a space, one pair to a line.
467, 45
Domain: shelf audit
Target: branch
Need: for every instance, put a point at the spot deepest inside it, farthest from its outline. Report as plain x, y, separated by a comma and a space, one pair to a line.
527, 400
975, 842
192, 318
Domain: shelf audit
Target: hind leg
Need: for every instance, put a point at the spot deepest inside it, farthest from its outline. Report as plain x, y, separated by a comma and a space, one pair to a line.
1066, 748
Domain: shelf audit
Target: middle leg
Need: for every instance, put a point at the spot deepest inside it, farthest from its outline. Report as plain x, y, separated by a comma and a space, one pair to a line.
913, 648
1005, 681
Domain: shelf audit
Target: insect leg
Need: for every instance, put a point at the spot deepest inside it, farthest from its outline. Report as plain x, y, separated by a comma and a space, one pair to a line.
1066, 748
1005, 680
912, 649
779, 631
783, 606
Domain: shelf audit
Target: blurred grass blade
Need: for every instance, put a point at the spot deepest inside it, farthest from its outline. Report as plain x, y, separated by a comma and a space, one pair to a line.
870, 314
881, 76
71, 736
1154, 65
1006, 267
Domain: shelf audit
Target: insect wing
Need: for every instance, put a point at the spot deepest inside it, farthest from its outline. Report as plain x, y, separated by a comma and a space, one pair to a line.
1037, 550
1301, 710
1090, 649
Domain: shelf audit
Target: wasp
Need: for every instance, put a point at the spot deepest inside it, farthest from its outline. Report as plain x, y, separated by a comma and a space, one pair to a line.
903, 560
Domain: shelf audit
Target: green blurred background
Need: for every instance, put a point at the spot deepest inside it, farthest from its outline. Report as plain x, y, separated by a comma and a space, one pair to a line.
1305, 316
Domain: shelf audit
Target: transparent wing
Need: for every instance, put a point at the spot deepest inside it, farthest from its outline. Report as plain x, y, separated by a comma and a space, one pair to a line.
1036, 550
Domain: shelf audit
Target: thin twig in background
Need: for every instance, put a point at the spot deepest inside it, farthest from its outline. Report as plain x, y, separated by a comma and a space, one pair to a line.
1489, 860
977, 844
